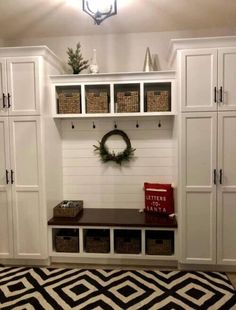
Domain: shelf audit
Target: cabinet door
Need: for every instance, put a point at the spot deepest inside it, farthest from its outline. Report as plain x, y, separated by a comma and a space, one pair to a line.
198, 80
3, 90
227, 77
23, 85
198, 161
226, 210
29, 218
6, 238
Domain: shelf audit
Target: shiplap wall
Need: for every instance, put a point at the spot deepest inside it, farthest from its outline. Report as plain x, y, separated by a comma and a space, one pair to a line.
109, 185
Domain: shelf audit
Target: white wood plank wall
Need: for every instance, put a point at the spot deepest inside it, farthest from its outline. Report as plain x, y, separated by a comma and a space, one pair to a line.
108, 185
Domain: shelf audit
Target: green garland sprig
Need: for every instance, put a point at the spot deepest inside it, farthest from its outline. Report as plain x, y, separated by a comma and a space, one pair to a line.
106, 156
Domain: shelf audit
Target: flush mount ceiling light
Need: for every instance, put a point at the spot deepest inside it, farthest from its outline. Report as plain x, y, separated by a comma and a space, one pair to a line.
99, 9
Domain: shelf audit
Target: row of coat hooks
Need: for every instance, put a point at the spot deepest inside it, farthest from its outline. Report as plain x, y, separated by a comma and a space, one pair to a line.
116, 126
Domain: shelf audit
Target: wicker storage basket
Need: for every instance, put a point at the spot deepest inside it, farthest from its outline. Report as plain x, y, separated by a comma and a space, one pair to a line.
128, 242
127, 102
69, 102
97, 102
68, 208
159, 246
158, 101
67, 241
97, 242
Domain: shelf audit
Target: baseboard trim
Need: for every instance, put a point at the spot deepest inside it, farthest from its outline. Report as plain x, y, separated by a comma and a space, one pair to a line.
25, 262
220, 268
114, 261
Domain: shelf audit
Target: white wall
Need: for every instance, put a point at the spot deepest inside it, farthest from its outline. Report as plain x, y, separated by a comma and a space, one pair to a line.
109, 185
121, 52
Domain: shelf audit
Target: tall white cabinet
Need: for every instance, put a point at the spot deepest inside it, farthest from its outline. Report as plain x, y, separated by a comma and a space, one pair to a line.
30, 181
207, 149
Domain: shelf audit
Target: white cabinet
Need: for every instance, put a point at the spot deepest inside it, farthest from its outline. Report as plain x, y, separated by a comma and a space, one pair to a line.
19, 86
206, 71
23, 207
208, 79
208, 188
30, 177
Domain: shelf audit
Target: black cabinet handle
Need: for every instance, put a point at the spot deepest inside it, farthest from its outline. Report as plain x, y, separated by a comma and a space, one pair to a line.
12, 177
4, 100
221, 176
221, 94
215, 94
8, 100
7, 177
214, 176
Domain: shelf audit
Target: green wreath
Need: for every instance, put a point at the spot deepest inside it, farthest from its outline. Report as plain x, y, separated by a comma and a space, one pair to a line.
106, 156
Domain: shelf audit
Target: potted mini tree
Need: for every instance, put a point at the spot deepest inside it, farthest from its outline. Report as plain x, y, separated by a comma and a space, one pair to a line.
76, 60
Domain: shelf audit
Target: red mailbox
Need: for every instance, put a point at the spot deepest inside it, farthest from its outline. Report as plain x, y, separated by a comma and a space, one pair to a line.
159, 198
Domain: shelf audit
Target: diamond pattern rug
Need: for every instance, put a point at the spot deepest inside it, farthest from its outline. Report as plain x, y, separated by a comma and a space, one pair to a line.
98, 289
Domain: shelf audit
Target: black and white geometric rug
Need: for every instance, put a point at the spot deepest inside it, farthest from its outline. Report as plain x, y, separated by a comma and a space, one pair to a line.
97, 289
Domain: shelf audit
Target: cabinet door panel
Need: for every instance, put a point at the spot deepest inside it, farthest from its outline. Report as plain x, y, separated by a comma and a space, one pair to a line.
4, 151
27, 224
3, 85
198, 162
200, 228
6, 237
227, 77
200, 138
227, 190
227, 228
23, 85
29, 216
6, 245
25, 135
198, 80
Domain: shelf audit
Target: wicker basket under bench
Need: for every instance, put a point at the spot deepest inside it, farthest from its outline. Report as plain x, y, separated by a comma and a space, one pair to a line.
97, 241
67, 240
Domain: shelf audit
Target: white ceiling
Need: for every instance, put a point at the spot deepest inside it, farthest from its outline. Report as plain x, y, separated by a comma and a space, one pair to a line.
43, 18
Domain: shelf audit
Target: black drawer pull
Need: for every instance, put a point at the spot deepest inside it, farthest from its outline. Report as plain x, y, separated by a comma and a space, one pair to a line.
4, 100
221, 176
7, 177
8, 100
215, 99
221, 94
12, 177
215, 176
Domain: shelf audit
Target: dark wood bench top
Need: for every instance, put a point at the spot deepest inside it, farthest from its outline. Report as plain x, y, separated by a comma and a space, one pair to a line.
116, 217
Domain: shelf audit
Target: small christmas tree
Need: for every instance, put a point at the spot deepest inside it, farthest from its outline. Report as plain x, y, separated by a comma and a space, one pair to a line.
76, 59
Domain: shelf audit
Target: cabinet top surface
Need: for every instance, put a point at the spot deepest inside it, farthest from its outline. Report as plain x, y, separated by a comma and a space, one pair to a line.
116, 217
119, 76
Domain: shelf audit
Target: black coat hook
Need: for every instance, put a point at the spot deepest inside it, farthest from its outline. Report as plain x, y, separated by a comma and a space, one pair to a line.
115, 125
94, 126
72, 125
159, 124
137, 124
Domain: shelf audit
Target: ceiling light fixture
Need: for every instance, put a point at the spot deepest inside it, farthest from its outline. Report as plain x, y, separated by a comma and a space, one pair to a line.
100, 9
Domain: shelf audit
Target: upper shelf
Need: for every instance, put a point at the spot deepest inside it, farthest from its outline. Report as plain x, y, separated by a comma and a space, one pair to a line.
115, 94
